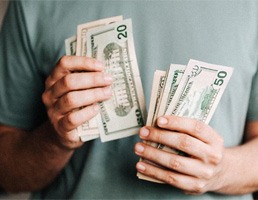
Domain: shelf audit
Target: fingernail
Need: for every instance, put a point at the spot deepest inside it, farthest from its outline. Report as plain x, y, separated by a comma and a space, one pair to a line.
140, 167
162, 121
139, 148
99, 64
108, 78
144, 132
107, 91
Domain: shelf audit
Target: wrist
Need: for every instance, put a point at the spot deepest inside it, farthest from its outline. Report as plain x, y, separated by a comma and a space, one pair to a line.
58, 142
230, 179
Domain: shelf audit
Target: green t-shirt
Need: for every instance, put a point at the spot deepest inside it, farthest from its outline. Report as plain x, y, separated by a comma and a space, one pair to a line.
219, 32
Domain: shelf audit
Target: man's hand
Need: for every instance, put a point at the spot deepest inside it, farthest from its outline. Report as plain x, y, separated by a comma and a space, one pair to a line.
195, 173
72, 90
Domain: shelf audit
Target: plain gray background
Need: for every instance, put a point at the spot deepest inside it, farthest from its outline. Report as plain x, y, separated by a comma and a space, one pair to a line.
3, 7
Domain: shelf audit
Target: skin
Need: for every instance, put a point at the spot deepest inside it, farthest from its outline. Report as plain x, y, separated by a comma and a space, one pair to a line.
208, 166
31, 159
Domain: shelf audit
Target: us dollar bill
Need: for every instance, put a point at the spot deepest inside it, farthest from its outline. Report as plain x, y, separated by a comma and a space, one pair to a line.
70, 45
124, 113
200, 90
174, 76
83, 129
82, 30
156, 96
196, 96
168, 83
70, 49
90, 127
158, 85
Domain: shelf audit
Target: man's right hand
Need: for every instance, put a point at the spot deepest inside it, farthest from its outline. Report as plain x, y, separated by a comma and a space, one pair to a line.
72, 91
71, 94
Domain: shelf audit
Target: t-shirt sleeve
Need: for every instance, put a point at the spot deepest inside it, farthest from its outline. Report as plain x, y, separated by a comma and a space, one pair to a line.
253, 102
21, 83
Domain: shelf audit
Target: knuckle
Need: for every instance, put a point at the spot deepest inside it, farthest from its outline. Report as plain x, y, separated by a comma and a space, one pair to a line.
198, 126
216, 158
69, 100
50, 114
171, 179
71, 120
63, 61
184, 142
45, 98
208, 174
69, 82
174, 164
48, 82
199, 187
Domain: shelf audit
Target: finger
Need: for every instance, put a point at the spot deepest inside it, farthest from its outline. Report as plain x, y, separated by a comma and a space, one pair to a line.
76, 118
77, 99
178, 141
79, 81
192, 127
182, 164
181, 181
70, 140
68, 64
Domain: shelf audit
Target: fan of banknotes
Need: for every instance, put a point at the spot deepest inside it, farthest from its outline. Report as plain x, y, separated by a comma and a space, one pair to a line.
193, 90
110, 40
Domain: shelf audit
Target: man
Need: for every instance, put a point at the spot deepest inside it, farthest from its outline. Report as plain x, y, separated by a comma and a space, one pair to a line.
41, 153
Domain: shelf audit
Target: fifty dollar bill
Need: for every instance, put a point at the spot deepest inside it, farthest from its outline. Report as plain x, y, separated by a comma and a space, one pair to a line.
196, 96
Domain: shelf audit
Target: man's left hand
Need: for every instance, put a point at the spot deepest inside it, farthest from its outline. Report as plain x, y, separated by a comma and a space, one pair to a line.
195, 173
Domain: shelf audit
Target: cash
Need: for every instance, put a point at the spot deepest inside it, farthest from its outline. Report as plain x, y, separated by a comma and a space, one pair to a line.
124, 113
157, 92
70, 49
90, 130
163, 89
70, 45
200, 90
111, 41
192, 91
82, 30
155, 101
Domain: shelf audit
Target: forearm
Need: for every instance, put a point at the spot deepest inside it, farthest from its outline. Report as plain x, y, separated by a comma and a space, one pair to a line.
34, 159
240, 169
30, 160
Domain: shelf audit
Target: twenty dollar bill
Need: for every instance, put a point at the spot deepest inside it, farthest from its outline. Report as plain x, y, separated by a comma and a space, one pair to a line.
124, 113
